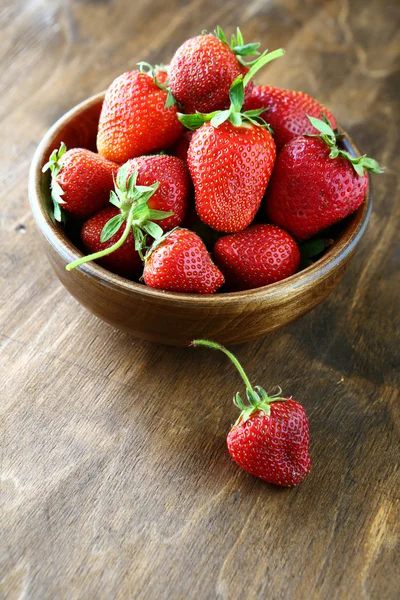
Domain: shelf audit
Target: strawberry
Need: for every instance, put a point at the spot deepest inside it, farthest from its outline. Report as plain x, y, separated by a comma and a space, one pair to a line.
203, 69
125, 260
230, 159
257, 256
181, 147
287, 112
132, 203
136, 118
81, 181
271, 437
174, 188
316, 184
180, 262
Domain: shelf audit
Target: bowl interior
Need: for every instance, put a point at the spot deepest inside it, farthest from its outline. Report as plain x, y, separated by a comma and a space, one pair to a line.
78, 128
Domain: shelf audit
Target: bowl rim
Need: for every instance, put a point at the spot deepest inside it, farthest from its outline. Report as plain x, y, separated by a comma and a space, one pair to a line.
336, 254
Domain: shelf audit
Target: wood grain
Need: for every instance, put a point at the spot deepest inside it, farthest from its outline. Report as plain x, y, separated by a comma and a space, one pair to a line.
115, 478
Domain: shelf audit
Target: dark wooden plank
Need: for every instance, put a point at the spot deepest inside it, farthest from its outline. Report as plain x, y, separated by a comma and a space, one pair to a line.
115, 478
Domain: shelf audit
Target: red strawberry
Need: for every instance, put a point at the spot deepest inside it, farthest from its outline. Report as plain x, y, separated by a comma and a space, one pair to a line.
134, 119
203, 69
174, 189
133, 211
315, 184
180, 262
81, 181
271, 437
287, 112
257, 256
124, 261
181, 147
230, 167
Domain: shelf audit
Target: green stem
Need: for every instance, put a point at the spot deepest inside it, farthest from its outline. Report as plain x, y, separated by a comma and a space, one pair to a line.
263, 60
233, 358
106, 251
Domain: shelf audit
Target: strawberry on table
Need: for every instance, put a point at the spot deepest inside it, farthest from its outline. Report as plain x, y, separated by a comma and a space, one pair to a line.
286, 112
125, 260
180, 262
203, 69
230, 158
138, 117
271, 437
174, 189
81, 181
316, 184
257, 256
133, 212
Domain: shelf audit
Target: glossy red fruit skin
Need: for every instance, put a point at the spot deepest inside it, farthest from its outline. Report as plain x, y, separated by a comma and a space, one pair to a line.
201, 72
125, 261
287, 112
175, 185
134, 120
275, 447
87, 180
309, 191
230, 168
181, 263
257, 256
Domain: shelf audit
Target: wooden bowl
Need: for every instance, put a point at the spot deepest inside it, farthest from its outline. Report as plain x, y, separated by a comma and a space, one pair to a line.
173, 318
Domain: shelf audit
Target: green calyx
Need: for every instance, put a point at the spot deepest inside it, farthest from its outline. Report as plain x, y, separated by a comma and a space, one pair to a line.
148, 69
331, 137
57, 192
257, 398
132, 200
234, 113
238, 46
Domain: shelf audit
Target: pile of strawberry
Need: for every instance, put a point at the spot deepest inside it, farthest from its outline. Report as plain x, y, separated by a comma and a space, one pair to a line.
194, 151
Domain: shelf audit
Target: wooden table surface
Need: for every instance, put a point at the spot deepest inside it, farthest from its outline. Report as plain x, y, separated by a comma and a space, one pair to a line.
116, 482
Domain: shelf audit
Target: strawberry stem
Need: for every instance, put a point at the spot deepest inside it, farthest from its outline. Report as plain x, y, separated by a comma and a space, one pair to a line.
233, 358
102, 253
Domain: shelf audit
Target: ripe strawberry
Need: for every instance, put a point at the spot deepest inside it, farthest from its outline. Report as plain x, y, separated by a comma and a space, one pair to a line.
125, 260
271, 437
180, 262
287, 112
132, 203
181, 147
230, 167
315, 184
81, 181
172, 194
134, 118
257, 256
203, 69
230, 159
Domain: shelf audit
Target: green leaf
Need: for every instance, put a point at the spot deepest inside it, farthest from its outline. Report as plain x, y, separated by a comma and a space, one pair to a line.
372, 165
131, 183
192, 121
111, 228
261, 62
141, 211
114, 199
236, 93
220, 117
170, 101
314, 247
57, 212
321, 126
221, 35
236, 119
255, 112
122, 175
334, 152
153, 229
246, 50
139, 237
158, 215
239, 37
